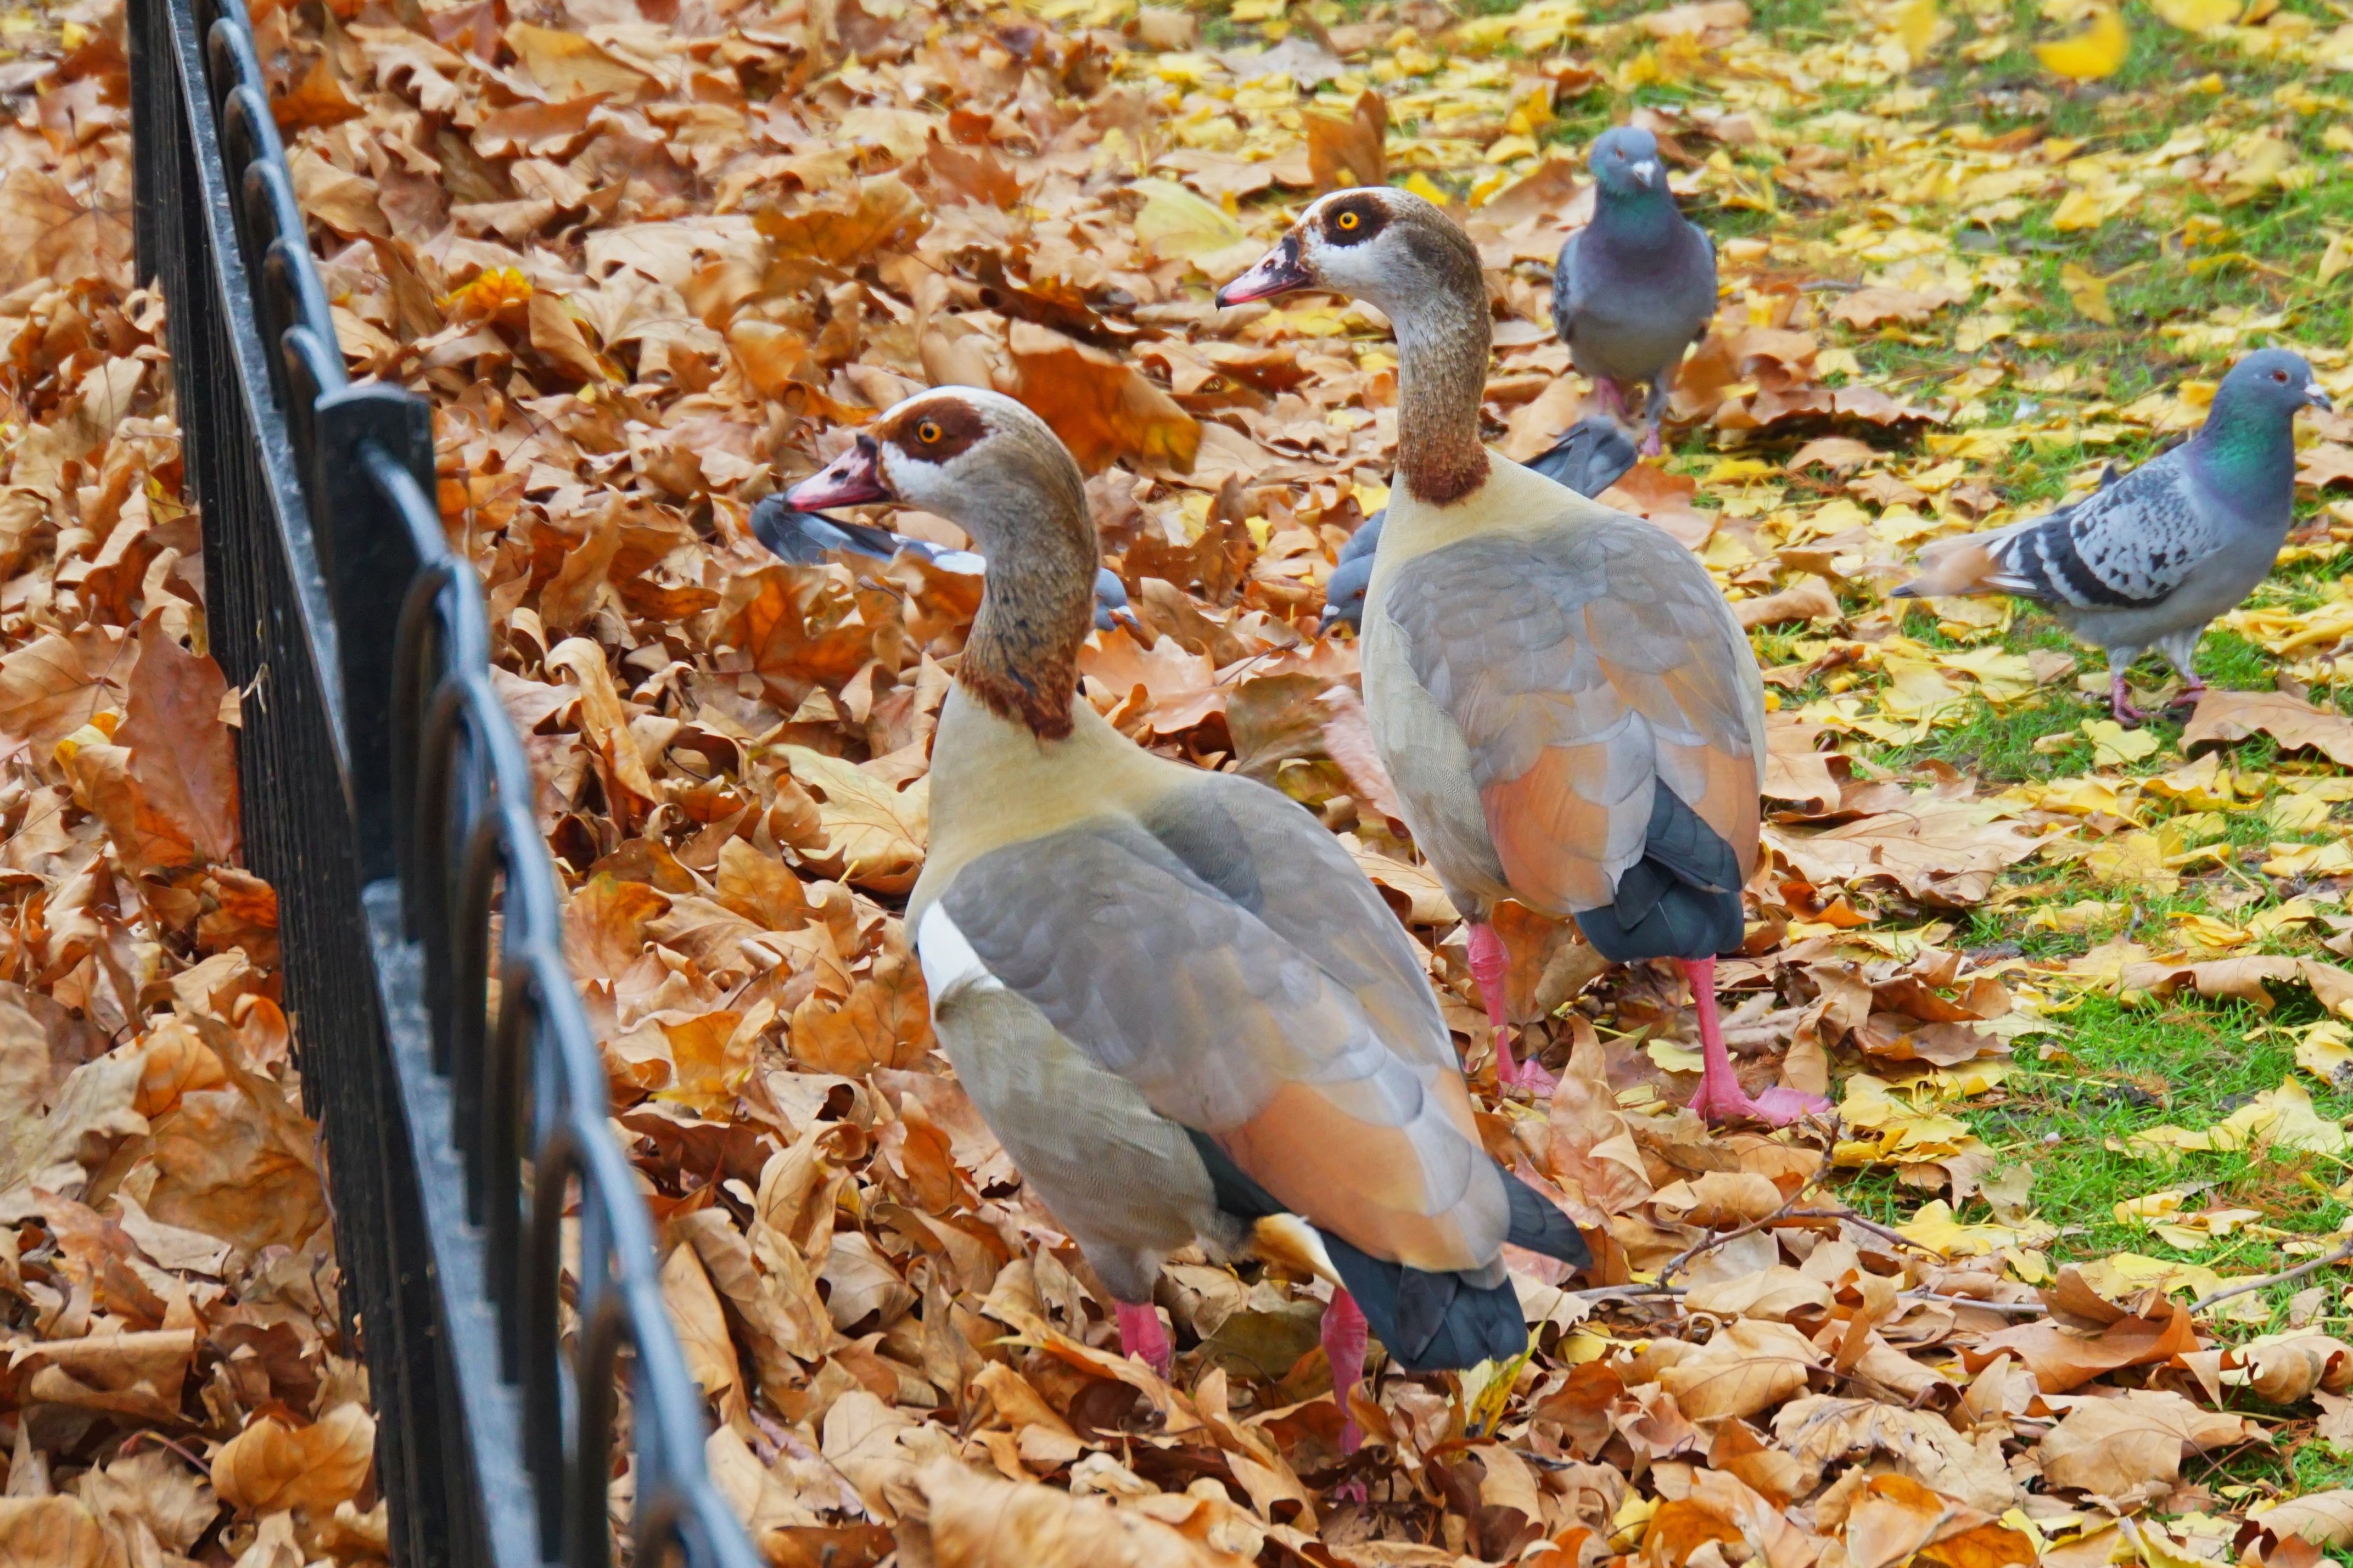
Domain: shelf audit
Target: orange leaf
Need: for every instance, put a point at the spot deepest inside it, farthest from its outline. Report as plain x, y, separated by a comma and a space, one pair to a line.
180, 755
272, 1466
1348, 151
320, 100
1101, 409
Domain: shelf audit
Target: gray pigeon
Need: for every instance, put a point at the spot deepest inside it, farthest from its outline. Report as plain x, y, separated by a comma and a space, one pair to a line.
1636, 287
806, 538
2149, 560
1588, 458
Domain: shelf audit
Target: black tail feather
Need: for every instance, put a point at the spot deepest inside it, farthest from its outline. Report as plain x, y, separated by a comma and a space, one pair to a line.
1681, 899
1428, 1321
1432, 1322
1540, 1228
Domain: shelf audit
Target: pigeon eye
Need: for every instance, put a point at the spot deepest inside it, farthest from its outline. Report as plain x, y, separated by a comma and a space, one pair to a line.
2280, 376
1346, 223
928, 433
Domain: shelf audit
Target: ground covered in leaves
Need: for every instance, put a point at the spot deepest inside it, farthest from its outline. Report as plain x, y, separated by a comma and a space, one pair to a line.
2077, 992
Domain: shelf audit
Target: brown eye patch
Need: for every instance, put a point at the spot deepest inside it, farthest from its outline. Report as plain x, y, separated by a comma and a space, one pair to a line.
1355, 220
936, 429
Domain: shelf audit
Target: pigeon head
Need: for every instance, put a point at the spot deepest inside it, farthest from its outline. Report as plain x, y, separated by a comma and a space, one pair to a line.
1625, 163
1388, 248
2273, 382
976, 458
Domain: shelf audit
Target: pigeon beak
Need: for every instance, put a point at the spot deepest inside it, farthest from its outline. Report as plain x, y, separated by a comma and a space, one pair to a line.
1647, 171
1279, 271
851, 479
2317, 398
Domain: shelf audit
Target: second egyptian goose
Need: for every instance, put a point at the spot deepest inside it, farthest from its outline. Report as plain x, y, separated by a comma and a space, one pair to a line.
1573, 717
1172, 995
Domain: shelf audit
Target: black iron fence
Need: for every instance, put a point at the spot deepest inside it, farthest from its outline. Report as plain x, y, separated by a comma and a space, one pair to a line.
389, 800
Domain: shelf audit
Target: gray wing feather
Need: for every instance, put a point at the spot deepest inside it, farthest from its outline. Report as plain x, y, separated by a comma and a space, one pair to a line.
2127, 546
1210, 955
1568, 285
1531, 641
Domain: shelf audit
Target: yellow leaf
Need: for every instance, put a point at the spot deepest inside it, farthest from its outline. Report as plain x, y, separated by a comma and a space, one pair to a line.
2325, 1052
2280, 1118
2097, 51
1915, 27
2126, 1272
2338, 256
2197, 15
2089, 293
1935, 1227
2206, 931
1422, 185
1173, 222
2113, 745
2073, 919
1673, 1058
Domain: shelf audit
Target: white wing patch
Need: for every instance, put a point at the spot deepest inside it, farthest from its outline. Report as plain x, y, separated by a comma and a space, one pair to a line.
949, 962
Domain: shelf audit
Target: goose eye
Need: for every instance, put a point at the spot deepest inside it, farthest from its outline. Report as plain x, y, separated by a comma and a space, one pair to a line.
928, 433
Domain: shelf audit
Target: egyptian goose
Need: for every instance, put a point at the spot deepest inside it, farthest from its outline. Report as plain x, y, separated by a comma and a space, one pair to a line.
1172, 995
1573, 717
2150, 558
1636, 287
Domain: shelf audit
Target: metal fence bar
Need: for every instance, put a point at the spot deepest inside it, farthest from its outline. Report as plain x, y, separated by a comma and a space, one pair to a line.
389, 801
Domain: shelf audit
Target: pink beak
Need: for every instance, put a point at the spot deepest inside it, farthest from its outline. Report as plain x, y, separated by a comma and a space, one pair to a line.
1279, 271
853, 478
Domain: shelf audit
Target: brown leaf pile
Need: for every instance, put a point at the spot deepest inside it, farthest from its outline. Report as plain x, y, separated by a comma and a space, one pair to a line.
652, 259
177, 1382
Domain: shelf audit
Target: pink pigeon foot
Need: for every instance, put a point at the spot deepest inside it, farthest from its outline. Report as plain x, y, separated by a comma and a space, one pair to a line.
2119, 704
1720, 1096
1488, 963
1653, 444
1141, 1334
1344, 1347
1611, 397
2191, 692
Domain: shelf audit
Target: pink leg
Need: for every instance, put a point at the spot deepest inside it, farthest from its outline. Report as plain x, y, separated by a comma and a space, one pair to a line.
1612, 396
1140, 1334
2119, 704
1720, 1096
1653, 444
1344, 1347
1488, 963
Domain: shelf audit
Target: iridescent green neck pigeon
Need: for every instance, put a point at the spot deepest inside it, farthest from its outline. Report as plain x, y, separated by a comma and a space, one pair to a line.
2148, 561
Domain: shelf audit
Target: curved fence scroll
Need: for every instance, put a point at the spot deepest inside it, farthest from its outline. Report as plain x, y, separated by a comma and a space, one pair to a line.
501, 1262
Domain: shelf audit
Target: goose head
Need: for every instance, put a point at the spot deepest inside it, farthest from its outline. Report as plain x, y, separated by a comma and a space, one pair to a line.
1386, 247
977, 457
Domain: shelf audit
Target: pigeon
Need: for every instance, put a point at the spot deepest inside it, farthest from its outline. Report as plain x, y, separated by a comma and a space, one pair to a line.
2148, 559
806, 538
1636, 287
1588, 459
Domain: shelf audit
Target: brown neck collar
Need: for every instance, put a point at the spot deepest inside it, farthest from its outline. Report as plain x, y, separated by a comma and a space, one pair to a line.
1443, 338
1037, 606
